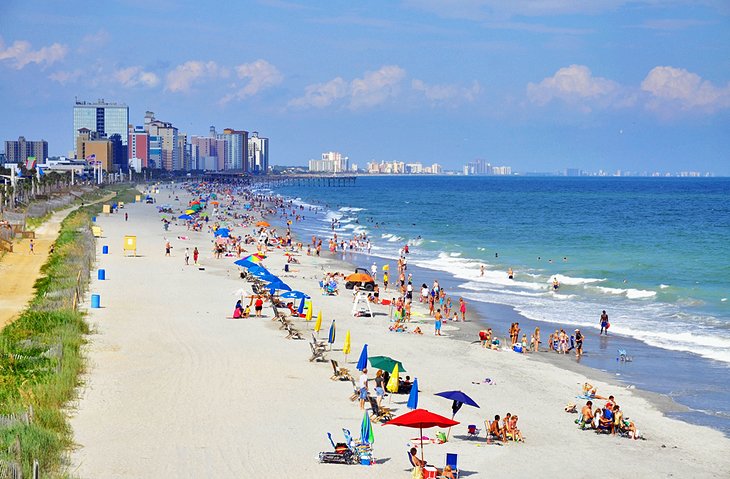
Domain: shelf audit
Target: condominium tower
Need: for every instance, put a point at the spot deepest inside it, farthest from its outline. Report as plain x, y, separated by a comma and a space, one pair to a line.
105, 119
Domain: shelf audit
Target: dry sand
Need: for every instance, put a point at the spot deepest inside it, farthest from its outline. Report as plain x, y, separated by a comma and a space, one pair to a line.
176, 389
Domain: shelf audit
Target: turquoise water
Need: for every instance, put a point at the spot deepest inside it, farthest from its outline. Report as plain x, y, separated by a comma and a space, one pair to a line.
653, 252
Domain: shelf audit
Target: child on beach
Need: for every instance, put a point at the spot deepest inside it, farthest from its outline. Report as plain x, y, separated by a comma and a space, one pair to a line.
462, 308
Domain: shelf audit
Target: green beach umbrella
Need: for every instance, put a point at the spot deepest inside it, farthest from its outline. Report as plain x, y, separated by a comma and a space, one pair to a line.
385, 363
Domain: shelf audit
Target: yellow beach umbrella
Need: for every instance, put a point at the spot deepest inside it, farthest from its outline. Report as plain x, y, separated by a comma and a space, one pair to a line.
347, 346
392, 385
308, 316
318, 323
189, 212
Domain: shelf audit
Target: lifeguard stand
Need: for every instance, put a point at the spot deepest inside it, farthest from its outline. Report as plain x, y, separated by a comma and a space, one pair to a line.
130, 244
361, 304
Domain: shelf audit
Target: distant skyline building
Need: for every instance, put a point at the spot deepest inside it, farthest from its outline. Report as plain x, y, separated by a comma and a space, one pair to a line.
168, 137
19, 151
105, 119
258, 154
89, 145
138, 145
236, 149
331, 162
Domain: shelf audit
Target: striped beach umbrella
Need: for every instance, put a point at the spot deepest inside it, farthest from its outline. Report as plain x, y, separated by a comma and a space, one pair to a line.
366, 430
331, 335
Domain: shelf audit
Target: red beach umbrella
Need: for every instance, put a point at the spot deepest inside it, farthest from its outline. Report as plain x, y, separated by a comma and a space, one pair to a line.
421, 418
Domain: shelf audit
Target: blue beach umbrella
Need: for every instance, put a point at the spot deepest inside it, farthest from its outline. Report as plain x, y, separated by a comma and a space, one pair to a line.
362, 363
244, 263
300, 310
366, 430
278, 285
223, 232
331, 336
413, 397
184, 217
295, 295
459, 398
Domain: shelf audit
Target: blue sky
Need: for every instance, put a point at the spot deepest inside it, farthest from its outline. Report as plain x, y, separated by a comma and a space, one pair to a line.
539, 85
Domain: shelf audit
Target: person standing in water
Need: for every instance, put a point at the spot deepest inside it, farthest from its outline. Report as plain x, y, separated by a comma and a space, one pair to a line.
604, 323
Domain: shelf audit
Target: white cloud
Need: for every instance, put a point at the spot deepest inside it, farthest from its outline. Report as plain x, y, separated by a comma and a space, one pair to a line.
671, 87
94, 41
373, 89
20, 54
260, 75
574, 84
321, 95
447, 94
181, 78
132, 76
376, 87
64, 77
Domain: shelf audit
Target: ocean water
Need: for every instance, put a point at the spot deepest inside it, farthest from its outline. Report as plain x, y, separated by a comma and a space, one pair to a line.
653, 252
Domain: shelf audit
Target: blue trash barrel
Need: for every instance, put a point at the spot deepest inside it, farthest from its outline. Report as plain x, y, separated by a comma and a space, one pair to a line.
102, 274
105, 249
93, 218
95, 301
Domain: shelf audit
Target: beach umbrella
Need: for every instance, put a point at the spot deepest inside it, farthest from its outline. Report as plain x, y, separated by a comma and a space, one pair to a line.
386, 363
362, 363
366, 430
300, 309
459, 398
294, 295
278, 284
244, 263
331, 335
318, 323
413, 396
263, 223
190, 212
224, 232
421, 419
184, 217
347, 346
308, 317
392, 385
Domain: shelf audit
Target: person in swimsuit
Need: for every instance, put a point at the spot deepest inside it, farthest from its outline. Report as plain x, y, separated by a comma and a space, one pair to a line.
604, 323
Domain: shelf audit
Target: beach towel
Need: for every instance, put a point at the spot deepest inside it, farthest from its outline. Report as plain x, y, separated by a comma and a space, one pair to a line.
184, 238
584, 396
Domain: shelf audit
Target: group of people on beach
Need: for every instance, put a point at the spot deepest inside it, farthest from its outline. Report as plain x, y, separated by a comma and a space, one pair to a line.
609, 418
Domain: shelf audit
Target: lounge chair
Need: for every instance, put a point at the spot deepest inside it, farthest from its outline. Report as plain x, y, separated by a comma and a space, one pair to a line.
340, 374
293, 333
355, 390
379, 413
317, 353
318, 343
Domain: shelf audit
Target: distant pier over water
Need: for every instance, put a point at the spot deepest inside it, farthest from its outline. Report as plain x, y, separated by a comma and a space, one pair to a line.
280, 180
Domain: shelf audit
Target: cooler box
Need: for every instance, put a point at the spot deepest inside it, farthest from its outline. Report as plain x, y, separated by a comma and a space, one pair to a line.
430, 472
517, 348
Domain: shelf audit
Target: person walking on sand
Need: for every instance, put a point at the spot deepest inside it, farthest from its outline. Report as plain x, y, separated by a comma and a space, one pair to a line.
31, 246
462, 308
168, 247
437, 323
126, 216
187, 256
363, 383
604, 323
195, 255
578, 343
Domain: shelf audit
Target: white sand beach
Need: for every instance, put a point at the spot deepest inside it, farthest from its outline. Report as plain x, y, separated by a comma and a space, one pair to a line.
175, 388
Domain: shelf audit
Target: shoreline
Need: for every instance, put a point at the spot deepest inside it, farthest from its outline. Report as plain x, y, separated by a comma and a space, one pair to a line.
638, 374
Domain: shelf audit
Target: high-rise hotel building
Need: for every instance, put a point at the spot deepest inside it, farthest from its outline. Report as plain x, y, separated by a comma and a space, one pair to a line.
105, 119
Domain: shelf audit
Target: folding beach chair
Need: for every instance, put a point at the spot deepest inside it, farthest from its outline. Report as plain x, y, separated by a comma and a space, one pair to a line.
451, 460
340, 374
472, 431
379, 413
